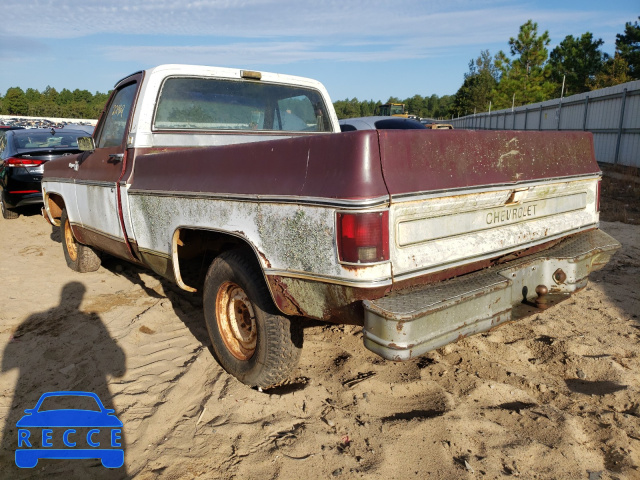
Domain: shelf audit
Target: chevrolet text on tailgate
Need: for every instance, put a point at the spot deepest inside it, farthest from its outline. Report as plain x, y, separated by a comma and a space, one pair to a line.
239, 184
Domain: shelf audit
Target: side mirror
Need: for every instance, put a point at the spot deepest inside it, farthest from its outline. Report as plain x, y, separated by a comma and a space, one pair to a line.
86, 144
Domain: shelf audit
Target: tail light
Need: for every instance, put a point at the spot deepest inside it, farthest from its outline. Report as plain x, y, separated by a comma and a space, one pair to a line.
363, 237
22, 162
598, 195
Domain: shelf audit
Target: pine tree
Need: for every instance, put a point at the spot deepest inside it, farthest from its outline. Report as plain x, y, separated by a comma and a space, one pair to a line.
628, 44
614, 72
15, 102
525, 78
577, 61
477, 89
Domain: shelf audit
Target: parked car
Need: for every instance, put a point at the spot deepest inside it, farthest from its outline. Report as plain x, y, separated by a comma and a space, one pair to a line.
379, 123
23, 154
77, 126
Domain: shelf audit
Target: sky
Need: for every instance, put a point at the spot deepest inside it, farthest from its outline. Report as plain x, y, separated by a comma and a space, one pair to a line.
366, 49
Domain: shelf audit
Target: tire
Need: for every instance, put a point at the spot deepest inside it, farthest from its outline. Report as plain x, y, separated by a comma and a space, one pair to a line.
250, 339
7, 213
80, 258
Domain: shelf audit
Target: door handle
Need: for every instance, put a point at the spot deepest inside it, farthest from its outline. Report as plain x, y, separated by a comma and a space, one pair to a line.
116, 157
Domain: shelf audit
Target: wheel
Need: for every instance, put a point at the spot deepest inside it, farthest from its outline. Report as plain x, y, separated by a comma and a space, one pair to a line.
250, 340
7, 213
79, 257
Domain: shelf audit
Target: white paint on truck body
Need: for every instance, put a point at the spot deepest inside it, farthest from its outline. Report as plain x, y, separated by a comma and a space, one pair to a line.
429, 234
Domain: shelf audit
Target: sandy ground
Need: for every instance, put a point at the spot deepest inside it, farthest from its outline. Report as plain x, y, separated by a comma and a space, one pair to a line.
555, 396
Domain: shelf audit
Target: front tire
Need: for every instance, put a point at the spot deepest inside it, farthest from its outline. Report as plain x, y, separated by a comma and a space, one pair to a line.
250, 339
80, 258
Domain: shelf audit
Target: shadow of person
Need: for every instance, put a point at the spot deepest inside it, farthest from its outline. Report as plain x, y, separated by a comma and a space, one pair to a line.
60, 349
186, 305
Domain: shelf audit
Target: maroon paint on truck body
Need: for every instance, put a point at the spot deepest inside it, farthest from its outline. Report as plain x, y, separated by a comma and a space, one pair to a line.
369, 164
419, 161
333, 166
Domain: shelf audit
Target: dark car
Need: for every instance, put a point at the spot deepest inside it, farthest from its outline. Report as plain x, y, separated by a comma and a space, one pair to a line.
379, 123
22, 157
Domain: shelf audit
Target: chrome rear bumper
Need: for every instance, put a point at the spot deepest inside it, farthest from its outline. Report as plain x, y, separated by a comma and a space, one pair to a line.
405, 325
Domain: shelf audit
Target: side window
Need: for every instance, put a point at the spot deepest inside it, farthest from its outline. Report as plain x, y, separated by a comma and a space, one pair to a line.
115, 123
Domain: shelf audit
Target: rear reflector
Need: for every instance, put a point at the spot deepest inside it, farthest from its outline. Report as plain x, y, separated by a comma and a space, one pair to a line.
363, 237
25, 191
22, 162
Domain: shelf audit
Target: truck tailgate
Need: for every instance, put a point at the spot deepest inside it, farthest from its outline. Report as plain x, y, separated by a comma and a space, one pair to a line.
463, 197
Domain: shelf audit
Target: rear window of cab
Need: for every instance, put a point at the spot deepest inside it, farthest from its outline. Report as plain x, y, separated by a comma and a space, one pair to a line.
187, 103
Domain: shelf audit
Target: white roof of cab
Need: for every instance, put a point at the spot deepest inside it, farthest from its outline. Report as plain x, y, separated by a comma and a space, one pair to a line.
154, 77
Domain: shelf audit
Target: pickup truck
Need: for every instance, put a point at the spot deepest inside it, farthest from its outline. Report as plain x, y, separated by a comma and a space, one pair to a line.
239, 184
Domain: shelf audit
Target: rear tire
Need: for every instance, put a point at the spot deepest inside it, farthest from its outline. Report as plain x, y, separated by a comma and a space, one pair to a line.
80, 258
7, 213
250, 339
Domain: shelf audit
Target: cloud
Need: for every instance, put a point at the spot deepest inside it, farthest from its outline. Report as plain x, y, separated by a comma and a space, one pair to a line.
273, 32
248, 19
264, 53
428, 36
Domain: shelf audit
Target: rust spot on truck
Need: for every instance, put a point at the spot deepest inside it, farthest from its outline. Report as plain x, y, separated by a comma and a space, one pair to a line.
264, 259
320, 300
285, 302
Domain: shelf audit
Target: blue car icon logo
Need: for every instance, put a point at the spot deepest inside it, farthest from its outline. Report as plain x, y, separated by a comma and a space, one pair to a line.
69, 433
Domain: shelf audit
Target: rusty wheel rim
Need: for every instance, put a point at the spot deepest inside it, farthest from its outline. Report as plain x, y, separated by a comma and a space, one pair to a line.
236, 321
70, 242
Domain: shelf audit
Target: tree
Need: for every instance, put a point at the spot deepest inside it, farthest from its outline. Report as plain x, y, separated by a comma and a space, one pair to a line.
51, 103
479, 84
32, 95
628, 44
82, 95
65, 97
347, 108
33, 98
614, 72
15, 102
525, 78
578, 60
50, 94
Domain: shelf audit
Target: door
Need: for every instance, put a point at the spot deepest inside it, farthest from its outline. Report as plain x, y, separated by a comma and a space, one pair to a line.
99, 174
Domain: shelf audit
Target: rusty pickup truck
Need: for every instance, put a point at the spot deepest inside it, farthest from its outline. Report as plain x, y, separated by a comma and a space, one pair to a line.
239, 184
